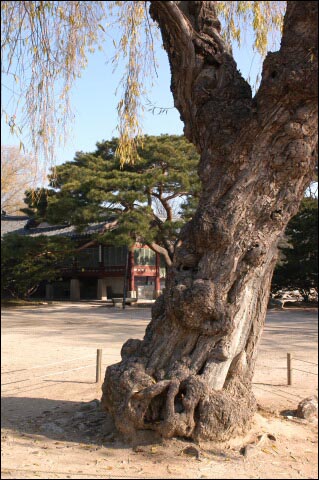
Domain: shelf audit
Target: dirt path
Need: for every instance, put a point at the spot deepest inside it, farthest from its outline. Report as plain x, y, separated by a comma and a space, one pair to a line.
52, 429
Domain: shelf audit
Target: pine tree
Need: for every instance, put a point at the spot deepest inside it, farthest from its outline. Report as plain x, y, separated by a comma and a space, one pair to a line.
299, 267
139, 198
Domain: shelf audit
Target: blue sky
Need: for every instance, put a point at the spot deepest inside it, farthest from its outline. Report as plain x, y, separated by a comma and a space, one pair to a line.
94, 102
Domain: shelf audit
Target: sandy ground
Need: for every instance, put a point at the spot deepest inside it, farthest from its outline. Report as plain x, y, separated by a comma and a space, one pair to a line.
52, 429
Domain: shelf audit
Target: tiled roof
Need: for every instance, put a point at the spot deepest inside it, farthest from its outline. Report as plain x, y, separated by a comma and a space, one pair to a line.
15, 224
66, 230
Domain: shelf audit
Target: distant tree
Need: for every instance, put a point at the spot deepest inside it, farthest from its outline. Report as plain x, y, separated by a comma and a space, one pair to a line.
18, 173
27, 261
298, 268
139, 199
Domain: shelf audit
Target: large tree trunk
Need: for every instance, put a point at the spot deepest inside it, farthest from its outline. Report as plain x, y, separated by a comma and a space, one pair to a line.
191, 375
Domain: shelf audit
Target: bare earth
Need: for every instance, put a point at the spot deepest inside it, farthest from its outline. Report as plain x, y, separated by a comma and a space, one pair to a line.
51, 430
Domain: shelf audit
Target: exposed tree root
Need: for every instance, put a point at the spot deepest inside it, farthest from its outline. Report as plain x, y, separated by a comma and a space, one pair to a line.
182, 405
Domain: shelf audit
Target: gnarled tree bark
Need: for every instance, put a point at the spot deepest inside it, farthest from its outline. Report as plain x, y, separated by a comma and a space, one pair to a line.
191, 374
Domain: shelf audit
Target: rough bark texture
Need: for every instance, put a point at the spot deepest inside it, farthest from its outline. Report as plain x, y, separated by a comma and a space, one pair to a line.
191, 375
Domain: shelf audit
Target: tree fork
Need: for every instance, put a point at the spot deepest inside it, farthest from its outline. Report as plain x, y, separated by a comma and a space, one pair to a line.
191, 374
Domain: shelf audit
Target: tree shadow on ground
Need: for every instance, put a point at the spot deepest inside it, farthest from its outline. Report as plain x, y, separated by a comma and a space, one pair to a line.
67, 421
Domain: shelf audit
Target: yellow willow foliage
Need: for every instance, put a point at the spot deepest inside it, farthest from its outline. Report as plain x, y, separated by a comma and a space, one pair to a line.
264, 18
136, 47
44, 48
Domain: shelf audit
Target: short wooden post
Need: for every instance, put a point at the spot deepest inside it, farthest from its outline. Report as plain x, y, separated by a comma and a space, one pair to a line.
289, 369
98, 365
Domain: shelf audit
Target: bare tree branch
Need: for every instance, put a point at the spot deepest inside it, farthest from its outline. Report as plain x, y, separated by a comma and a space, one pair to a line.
158, 249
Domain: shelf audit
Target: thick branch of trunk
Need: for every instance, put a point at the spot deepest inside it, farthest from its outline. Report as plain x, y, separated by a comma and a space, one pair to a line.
205, 81
290, 75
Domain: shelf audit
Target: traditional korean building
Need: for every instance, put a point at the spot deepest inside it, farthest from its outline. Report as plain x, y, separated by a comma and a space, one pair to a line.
97, 271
